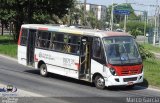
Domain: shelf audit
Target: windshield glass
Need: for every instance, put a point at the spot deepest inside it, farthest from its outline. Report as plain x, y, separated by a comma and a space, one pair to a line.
121, 50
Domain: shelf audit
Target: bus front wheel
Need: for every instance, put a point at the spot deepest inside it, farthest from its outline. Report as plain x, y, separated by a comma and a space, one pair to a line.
43, 70
99, 82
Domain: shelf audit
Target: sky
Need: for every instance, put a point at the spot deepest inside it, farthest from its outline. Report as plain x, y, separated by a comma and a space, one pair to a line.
151, 10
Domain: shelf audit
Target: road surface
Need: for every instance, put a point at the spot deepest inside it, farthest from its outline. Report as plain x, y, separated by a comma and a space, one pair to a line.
61, 89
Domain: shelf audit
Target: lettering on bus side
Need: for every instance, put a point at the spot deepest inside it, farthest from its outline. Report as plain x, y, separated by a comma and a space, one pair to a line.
68, 62
46, 56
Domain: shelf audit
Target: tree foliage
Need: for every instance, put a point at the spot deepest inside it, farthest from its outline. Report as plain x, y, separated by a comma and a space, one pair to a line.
145, 53
33, 11
136, 27
135, 32
87, 19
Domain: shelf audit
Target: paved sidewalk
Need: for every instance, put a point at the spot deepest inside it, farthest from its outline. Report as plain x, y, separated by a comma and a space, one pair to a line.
157, 55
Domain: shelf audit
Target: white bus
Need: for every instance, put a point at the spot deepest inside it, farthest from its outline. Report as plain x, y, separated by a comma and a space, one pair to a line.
105, 58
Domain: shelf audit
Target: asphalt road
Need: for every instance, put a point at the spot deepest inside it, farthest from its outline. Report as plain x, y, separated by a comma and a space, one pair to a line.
61, 89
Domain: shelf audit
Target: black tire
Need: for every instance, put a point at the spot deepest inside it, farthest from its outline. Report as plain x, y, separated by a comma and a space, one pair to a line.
43, 70
99, 82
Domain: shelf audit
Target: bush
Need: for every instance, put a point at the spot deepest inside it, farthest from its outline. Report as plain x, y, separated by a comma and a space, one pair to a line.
145, 53
135, 32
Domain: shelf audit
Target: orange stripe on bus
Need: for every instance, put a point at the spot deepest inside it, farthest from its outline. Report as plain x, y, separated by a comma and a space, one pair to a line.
20, 34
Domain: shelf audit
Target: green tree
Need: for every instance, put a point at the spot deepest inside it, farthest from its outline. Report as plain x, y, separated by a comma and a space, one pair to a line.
136, 27
145, 53
5, 16
119, 19
135, 32
35, 11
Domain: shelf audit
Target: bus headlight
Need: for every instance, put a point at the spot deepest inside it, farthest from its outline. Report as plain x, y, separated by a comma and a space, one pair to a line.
112, 70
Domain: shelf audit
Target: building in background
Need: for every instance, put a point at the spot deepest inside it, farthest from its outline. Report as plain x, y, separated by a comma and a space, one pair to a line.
98, 10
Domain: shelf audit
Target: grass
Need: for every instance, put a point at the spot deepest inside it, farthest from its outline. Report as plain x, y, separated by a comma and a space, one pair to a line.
152, 71
152, 48
151, 66
8, 46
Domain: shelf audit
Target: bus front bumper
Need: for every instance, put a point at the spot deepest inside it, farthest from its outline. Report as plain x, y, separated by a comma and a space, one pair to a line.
123, 80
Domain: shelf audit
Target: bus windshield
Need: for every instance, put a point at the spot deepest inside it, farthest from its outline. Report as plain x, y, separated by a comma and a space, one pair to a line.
121, 50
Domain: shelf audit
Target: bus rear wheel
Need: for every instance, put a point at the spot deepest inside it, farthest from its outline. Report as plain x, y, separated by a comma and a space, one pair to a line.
43, 70
99, 82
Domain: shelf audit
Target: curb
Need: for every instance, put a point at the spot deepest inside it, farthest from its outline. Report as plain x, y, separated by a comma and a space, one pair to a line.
8, 57
154, 88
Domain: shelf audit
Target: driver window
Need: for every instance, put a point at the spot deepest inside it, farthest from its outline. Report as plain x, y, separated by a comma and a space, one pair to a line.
96, 48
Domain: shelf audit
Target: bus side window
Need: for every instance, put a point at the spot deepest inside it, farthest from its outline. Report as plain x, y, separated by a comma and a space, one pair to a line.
96, 48
59, 39
48, 39
24, 37
66, 45
52, 44
43, 39
74, 42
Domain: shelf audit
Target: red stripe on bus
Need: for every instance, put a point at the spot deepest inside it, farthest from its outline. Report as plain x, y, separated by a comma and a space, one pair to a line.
35, 58
42, 28
127, 70
20, 34
78, 65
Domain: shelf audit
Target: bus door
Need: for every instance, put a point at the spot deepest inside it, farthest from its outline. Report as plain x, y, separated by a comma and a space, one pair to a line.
30, 47
85, 58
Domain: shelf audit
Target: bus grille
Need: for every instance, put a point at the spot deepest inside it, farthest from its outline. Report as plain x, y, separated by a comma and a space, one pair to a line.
129, 72
130, 79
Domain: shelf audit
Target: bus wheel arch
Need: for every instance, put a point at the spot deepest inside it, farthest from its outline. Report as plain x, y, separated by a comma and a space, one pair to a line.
98, 80
43, 68
40, 63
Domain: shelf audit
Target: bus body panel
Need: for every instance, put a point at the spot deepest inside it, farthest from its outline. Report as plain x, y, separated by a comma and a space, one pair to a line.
133, 79
22, 57
59, 63
98, 68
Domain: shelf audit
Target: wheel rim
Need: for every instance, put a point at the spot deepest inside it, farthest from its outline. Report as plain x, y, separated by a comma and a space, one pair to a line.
100, 82
43, 70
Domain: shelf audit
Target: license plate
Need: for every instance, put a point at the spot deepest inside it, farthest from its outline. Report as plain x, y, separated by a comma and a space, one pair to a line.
130, 83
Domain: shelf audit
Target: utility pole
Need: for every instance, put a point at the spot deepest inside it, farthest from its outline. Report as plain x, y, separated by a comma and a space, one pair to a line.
155, 26
145, 21
125, 19
111, 20
158, 23
84, 12
156, 20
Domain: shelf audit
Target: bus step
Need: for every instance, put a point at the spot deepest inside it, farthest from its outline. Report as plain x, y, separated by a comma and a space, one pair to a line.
84, 79
84, 76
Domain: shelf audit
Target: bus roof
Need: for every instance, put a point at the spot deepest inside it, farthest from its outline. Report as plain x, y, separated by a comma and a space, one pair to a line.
78, 31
